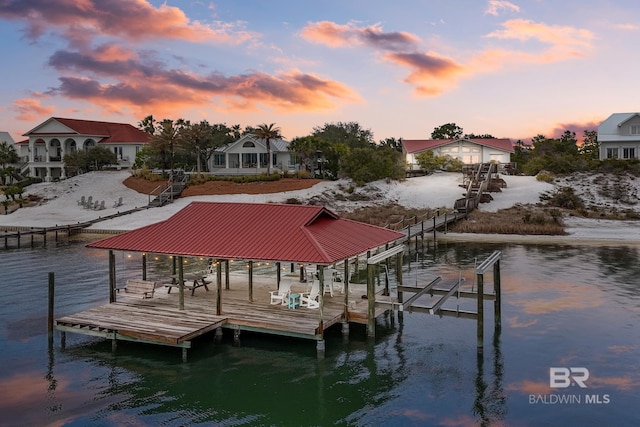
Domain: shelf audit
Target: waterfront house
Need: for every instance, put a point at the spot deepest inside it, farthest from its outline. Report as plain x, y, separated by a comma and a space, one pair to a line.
619, 136
44, 150
248, 156
469, 150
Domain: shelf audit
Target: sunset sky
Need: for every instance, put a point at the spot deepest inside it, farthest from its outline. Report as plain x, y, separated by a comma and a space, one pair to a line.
513, 69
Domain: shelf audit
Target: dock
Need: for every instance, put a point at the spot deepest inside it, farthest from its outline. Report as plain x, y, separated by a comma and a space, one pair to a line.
159, 320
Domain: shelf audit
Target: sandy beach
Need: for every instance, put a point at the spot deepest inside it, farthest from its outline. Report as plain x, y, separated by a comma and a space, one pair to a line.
60, 206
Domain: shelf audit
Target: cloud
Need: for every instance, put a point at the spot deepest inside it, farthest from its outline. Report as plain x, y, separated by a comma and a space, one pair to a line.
128, 19
494, 7
555, 35
578, 128
30, 109
430, 74
335, 35
630, 27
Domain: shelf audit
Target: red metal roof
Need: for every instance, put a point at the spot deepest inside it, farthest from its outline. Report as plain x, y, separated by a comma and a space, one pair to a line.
418, 145
110, 132
270, 232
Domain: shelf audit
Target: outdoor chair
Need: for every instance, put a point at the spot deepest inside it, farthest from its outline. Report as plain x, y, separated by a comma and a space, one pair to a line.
82, 201
310, 300
89, 203
99, 206
118, 203
281, 295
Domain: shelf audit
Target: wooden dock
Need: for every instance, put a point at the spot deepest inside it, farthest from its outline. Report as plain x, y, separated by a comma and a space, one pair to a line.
159, 320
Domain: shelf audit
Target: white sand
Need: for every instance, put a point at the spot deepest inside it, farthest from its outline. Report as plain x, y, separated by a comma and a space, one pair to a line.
438, 190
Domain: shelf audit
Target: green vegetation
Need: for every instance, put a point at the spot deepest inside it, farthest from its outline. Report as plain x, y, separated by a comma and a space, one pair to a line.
430, 162
82, 161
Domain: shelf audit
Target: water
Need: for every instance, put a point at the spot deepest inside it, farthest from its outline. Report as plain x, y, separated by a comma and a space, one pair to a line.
562, 307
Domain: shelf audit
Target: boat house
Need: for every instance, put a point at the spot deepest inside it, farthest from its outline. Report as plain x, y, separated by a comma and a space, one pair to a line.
278, 237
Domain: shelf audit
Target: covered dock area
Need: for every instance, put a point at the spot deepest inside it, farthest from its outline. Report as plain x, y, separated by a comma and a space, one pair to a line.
310, 238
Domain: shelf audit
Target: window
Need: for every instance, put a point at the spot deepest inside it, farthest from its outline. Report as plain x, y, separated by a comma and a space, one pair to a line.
219, 160
612, 153
634, 129
248, 144
249, 160
234, 160
263, 160
628, 153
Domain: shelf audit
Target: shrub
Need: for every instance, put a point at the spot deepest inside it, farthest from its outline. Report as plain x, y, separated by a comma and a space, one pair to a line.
544, 177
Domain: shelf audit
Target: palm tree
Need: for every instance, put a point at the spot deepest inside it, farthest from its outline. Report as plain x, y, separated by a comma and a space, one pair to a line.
8, 155
268, 132
165, 140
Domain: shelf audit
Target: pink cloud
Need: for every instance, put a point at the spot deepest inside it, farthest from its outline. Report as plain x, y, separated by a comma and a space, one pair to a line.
30, 109
556, 35
430, 73
128, 19
335, 35
496, 6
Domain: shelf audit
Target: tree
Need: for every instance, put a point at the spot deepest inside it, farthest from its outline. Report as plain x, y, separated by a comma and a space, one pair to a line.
447, 131
351, 134
81, 161
393, 143
370, 164
8, 154
590, 146
482, 136
165, 139
148, 125
268, 132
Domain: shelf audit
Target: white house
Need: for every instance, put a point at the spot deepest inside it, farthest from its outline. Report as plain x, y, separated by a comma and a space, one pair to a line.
248, 156
469, 151
619, 136
48, 143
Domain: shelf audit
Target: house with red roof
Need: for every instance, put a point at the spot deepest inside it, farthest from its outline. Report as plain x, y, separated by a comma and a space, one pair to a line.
44, 150
469, 150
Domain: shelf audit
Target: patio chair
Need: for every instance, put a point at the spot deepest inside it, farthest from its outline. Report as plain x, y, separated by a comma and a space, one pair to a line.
82, 201
328, 281
281, 295
310, 300
118, 203
99, 206
88, 203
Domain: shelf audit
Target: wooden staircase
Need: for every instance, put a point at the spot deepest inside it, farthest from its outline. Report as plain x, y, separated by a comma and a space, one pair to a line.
166, 194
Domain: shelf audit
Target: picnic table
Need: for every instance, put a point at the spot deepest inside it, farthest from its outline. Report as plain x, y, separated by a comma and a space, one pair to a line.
197, 281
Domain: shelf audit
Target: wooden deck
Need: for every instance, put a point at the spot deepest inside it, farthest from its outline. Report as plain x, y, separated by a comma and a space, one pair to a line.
158, 320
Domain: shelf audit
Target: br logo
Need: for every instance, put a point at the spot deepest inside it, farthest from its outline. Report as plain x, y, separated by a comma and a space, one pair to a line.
564, 377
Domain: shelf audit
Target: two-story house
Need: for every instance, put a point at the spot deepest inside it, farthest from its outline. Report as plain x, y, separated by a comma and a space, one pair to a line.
44, 151
619, 136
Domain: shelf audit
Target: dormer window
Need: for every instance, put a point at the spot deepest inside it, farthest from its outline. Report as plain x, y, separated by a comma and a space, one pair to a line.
634, 129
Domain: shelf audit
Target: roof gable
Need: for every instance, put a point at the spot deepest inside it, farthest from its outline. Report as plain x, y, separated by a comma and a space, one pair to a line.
277, 145
419, 145
274, 232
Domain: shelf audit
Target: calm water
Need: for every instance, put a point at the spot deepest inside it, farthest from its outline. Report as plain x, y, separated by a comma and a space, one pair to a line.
562, 307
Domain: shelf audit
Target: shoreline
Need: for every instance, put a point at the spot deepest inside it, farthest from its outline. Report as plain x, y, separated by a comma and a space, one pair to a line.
523, 239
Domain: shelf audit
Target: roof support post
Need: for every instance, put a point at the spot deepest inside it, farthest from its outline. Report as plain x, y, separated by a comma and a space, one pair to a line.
112, 277
180, 282
371, 299
250, 281
226, 274
320, 269
144, 266
345, 288
219, 287
278, 275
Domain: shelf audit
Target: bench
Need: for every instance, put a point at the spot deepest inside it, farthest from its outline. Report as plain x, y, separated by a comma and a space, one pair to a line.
146, 288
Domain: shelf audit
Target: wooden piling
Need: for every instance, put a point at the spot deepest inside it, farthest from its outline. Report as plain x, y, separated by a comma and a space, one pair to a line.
219, 286
51, 305
497, 303
180, 281
480, 320
144, 266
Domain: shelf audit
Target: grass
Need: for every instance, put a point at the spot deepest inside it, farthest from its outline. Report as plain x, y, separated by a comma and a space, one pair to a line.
520, 219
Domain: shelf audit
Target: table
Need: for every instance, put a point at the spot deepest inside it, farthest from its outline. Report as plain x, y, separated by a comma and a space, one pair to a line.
197, 282
294, 301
